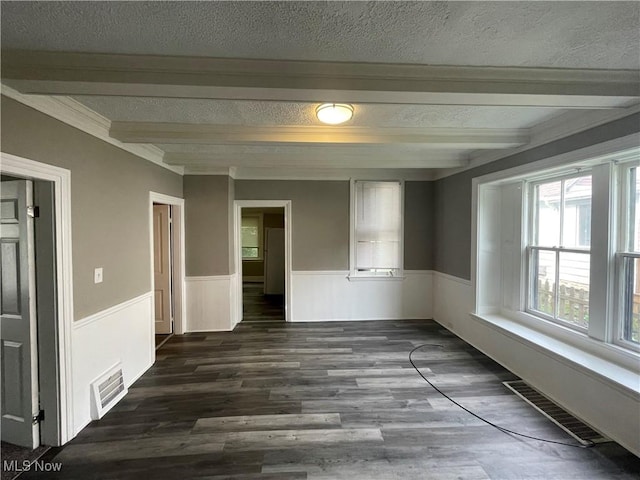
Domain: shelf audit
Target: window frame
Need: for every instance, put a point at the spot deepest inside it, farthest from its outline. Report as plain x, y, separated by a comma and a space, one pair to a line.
354, 274
623, 251
529, 224
260, 256
499, 292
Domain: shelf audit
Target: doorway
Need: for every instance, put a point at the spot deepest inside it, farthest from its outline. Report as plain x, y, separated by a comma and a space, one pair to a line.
262, 244
262, 264
163, 273
57, 426
167, 266
29, 348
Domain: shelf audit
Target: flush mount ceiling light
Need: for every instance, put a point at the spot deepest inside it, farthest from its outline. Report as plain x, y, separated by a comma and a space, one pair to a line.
334, 113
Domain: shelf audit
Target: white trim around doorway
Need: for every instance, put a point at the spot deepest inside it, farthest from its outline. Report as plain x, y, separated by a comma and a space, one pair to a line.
238, 205
61, 178
179, 321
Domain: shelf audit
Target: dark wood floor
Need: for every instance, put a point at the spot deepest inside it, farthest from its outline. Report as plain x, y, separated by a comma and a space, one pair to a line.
282, 401
257, 307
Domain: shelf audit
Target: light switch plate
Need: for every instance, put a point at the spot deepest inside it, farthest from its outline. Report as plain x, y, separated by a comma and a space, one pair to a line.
97, 275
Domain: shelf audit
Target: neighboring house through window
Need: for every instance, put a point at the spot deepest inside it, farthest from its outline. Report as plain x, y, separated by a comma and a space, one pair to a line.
629, 256
559, 250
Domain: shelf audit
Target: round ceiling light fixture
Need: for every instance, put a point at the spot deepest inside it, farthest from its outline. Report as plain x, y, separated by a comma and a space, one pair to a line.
334, 113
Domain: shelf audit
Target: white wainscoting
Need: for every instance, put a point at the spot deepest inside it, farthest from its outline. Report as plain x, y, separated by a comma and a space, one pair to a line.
613, 410
329, 295
211, 303
122, 333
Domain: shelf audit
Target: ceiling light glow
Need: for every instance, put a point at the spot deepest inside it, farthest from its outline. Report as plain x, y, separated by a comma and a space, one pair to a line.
334, 113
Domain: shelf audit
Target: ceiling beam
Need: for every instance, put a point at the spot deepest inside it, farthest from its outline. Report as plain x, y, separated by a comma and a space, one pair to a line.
66, 73
269, 173
312, 159
440, 138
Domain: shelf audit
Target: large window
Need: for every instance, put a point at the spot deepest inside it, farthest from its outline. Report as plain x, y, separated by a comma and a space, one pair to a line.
557, 254
252, 237
629, 256
376, 228
559, 250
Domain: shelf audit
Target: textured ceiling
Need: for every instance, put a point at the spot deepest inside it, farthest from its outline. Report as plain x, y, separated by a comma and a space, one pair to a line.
600, 35
539, 34
232, 112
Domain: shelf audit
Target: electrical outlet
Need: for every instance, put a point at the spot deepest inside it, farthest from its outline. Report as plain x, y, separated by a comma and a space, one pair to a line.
97, 275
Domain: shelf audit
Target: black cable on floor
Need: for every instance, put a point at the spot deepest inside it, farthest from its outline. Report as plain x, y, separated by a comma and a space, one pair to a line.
502, 429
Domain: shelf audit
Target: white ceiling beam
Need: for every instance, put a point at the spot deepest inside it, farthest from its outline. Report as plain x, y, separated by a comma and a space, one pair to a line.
260, 173
318, 160
66, 73
440, 138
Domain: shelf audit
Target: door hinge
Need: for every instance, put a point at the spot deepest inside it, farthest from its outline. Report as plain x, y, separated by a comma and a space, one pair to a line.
33, 212
38, 418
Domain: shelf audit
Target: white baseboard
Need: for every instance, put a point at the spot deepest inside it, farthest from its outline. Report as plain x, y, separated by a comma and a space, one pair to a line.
210, 303
329, 296
585, 394
122, 333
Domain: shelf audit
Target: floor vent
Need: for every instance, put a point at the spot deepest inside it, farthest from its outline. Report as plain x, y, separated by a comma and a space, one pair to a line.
570, 424
107, 390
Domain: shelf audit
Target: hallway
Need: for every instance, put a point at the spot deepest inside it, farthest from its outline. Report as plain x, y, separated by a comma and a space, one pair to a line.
256, 306
330, 401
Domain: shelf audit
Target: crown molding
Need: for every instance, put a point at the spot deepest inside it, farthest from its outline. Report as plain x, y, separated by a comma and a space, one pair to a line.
439, 138
75, 114
73, 73
561, 126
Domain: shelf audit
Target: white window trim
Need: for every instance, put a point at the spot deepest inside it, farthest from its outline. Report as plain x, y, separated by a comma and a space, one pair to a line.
354, 274
621, 149
617, 334
260, 256
529, 247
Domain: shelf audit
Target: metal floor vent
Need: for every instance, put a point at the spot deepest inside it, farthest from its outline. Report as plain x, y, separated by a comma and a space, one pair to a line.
570, 424
107, 390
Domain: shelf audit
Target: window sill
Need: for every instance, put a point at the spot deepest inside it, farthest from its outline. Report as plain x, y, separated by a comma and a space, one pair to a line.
378, 278
611, 363
252, 259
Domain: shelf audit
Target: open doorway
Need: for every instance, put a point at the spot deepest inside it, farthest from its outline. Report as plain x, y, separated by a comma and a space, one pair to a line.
167, 265
263, 256
263, 268
163, 279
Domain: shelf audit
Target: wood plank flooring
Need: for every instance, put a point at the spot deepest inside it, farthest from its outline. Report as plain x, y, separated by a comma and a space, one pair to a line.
282, 401
256, 306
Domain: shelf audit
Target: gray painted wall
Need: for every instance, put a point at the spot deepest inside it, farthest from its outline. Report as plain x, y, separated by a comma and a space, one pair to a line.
320, 211
207, 225
452, 252
110, 203
418, 225
320, 218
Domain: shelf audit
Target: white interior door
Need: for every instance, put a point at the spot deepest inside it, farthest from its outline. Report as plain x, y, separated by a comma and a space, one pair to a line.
19, 381
274, 261
162, 267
